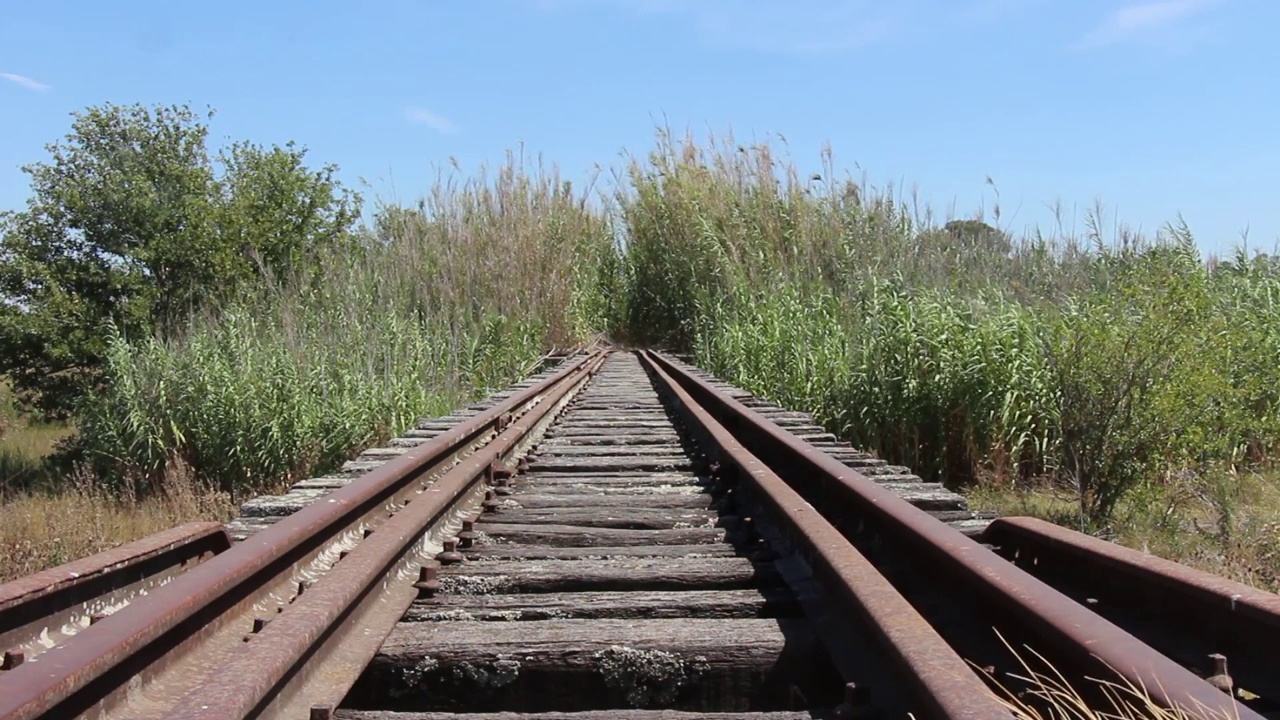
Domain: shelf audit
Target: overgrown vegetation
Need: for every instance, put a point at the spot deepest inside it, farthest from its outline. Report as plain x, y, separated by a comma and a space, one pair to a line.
441, 302
223, 316
309, 338
1104, 367
132, 225
44, 529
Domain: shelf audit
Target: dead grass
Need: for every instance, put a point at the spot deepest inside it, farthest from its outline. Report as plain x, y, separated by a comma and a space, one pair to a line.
1049, 696
1224, 523
45, 529
47, 523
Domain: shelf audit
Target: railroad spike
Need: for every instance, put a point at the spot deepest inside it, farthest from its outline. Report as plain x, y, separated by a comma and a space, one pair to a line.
500, 471
1220, 679
857, 702
467, 537
428, 580
12, 659
450, 555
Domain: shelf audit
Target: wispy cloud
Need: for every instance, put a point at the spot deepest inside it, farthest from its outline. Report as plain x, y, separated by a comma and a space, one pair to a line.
1149, 21
25, 81
423, 116
798, 26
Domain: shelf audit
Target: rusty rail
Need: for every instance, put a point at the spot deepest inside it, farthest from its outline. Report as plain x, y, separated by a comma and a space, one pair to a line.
310, 656
1059, 626
39, 611
1189, 614
939, 682
193, 624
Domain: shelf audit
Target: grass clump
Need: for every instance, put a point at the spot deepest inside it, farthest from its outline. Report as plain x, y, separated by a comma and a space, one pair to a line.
442, 302
958, 350
1047, 693
1224, 522
80, 516
25, 442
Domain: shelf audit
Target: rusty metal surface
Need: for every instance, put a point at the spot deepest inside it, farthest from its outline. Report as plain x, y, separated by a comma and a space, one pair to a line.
42, 609
112, 652
1054, 619
1196, 613
89, 572
300, 642
942, 684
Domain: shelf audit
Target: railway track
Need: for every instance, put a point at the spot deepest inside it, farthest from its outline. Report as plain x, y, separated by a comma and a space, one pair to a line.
620, 536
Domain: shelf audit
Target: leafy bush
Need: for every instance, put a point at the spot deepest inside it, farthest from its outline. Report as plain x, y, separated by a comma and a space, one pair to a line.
132, 223
452, 299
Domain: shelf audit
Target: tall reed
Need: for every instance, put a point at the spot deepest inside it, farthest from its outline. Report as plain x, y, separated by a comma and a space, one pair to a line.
1099, 363
450, 299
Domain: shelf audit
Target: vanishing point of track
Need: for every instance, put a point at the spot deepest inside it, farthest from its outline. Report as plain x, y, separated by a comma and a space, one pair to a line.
621, 536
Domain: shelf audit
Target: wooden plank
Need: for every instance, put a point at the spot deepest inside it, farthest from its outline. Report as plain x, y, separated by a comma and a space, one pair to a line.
619, 402
512, 551
614, 574
594, 438
571, 421
569, 536
576, 665
531, 500
611, 464
633, 517
706, 604
562, 486
561, 450
617, 478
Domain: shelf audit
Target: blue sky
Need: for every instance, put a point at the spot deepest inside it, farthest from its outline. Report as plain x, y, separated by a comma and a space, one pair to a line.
1154, 108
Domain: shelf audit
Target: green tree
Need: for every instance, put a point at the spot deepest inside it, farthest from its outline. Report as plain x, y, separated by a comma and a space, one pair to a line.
130, 225
975, 235
275, 211
1142, 379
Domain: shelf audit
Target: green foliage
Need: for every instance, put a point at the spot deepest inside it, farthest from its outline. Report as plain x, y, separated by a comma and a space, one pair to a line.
1142, 386
943, 387
449, 300
131, 224
248, 409
1106, 366
1114, 367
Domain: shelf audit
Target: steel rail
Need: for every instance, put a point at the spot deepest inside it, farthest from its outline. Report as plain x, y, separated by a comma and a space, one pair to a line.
940, 683
306, 658
45, 608
1194, 615
126, 648
1089, 642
